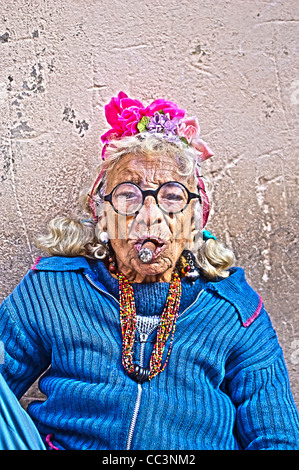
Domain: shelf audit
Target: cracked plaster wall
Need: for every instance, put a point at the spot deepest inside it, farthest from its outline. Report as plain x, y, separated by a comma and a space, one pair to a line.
234, 64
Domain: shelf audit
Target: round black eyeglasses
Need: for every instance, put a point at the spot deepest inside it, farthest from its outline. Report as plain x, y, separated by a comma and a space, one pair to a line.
171, 197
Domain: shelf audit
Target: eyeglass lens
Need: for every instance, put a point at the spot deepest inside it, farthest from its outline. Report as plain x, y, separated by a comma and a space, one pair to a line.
127, 198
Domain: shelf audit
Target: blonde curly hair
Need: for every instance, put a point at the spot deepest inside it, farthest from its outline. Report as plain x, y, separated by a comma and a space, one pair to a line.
73, 237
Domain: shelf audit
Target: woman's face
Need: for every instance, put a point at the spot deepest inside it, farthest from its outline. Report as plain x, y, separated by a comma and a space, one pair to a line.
168, 232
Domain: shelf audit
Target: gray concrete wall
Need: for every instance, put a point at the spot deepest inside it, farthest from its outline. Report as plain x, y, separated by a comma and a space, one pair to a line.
234, 64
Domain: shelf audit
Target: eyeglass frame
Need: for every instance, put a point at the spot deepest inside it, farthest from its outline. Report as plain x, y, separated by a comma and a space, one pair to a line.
154, 194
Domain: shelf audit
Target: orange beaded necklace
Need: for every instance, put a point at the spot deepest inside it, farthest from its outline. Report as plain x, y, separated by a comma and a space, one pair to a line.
128, 327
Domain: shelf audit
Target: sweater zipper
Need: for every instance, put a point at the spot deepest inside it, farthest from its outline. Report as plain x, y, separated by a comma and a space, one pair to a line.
143, 339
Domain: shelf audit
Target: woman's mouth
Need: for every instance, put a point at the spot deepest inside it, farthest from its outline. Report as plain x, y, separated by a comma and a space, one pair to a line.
154, 244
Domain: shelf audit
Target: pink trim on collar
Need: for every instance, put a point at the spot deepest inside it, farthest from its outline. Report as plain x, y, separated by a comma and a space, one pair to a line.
36, 262
255, 315
48, 441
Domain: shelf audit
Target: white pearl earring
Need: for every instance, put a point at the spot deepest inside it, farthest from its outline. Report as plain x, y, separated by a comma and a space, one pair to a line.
104, 238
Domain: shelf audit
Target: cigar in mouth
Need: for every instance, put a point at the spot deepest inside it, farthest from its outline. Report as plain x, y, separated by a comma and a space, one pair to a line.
147, 251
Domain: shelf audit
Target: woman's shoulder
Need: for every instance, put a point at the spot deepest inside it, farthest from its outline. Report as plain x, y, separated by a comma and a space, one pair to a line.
236, 290
32, 284
60, 263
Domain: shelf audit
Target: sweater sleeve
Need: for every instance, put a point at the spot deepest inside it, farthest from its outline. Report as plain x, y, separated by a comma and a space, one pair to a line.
266, 414
25, 356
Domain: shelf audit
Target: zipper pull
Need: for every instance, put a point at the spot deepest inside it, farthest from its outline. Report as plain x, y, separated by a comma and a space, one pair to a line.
143, 337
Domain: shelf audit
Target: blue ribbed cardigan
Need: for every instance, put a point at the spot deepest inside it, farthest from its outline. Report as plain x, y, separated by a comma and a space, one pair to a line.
225, 385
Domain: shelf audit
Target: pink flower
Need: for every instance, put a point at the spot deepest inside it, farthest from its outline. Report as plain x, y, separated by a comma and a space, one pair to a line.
168, 107
123, 114
190, 129
129, 120
115, 108
203, 148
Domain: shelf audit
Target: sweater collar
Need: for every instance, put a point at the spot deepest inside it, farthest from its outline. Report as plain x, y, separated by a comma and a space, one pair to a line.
234, 288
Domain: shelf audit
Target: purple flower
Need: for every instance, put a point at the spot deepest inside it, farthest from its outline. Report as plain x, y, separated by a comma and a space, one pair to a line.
171, 126
161, 123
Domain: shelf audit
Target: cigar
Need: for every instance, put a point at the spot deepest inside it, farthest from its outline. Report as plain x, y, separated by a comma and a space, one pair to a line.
147, 252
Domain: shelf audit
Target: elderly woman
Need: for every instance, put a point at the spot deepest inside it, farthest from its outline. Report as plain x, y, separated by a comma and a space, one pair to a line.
150, 339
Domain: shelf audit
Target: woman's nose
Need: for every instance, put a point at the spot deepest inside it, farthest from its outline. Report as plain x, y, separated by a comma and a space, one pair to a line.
150, 212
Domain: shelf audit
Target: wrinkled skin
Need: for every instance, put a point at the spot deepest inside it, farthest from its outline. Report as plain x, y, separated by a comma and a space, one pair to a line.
149, 172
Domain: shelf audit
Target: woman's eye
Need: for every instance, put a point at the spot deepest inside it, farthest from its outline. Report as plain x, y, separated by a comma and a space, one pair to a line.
127, 195
173, 197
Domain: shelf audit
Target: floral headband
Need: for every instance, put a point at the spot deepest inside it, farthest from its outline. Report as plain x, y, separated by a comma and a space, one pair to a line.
129, 117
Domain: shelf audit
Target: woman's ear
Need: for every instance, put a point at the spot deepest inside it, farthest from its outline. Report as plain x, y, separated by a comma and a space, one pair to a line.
101, 225
192, 235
